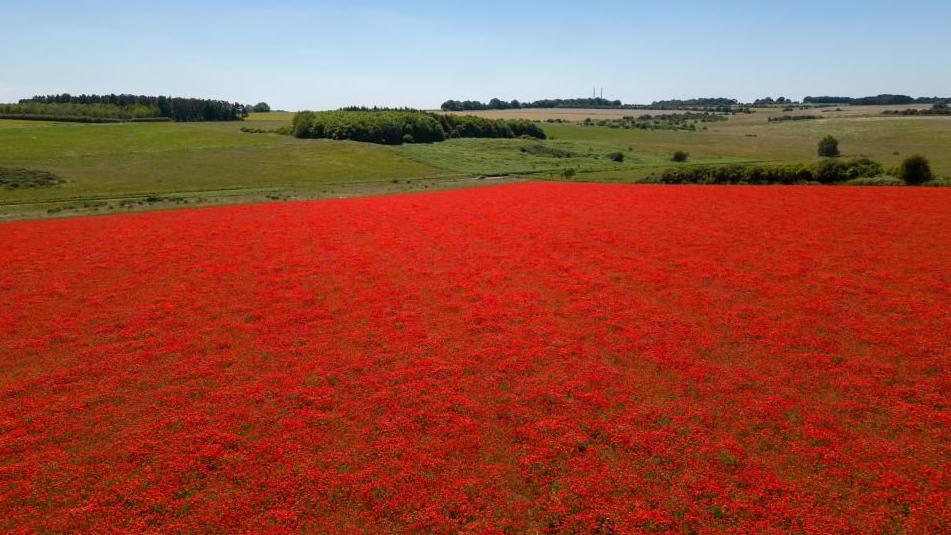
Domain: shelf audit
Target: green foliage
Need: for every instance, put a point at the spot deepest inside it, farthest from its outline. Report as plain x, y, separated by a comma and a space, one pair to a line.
384, 127
497, 104
878, 100
616, 157
15, 177
939, 108
670, 121
81, 119
395, 127
725, 105
835, 171
785, 118
915, 170
695, 102
90, 112
680, 156
827, 172
472, 126
876, 181
261, 107
115, 108
829, 147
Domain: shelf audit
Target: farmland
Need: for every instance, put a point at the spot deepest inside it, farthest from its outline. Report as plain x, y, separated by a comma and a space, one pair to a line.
524, 357
120, 167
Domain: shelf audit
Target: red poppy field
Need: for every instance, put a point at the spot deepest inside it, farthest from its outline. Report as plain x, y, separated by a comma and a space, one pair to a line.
528, 357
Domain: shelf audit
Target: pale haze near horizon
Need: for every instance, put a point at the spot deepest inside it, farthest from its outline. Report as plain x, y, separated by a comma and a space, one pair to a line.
319, 55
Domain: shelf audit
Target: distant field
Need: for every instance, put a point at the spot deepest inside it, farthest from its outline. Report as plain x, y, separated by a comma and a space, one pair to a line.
750, 137
578, 114
127, 161
137, 166
565, 114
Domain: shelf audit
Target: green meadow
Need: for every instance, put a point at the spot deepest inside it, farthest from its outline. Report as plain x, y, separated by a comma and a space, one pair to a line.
111, 167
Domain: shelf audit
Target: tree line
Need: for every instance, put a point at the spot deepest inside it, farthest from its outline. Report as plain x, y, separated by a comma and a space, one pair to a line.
878, 100
498, 104
825, 172
128, 107
396, 127
936, 109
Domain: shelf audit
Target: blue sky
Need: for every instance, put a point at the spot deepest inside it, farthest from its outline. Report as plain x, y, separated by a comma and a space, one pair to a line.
297, 54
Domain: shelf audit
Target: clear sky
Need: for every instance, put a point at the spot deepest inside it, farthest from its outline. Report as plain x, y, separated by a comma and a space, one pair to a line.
313, 54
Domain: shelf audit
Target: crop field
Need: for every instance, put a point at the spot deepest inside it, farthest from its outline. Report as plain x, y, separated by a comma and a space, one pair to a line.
120, 167
524, 357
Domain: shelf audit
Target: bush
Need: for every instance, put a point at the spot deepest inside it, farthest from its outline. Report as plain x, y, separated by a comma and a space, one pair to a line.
829, 147
834, 171
915, 170
15, 178
680, 156
616, 157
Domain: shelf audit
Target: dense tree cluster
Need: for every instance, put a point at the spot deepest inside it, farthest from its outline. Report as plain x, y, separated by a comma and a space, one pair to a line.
770, 101
86, 113
878, 100
127, 107
395, 127
825, 172
470, 126
260, 107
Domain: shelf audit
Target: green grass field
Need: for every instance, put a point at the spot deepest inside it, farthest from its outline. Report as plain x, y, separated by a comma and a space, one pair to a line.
135, 166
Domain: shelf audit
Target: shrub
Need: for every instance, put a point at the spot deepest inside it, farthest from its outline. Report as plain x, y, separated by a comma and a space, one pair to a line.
15, 178
680, 156
834, 171
828, 147
915, 170
568, 173
616, 157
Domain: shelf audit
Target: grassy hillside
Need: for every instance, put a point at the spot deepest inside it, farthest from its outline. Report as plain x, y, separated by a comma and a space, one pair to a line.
122, 161
122, 166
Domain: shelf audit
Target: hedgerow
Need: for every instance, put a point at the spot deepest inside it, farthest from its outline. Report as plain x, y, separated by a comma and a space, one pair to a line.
82, 119
826, 172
